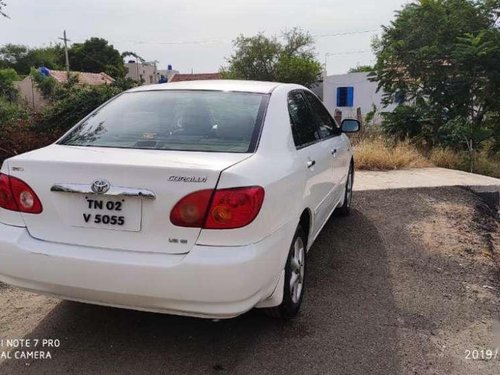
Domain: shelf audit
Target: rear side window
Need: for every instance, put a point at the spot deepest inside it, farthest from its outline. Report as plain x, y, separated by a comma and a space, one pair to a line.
303, 121
327, 125
175, 120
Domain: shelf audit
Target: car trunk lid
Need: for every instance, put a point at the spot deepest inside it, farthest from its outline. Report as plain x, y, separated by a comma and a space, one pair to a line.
133, 211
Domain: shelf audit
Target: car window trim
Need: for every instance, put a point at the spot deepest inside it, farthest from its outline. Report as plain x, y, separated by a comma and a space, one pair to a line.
259, 123
301, 92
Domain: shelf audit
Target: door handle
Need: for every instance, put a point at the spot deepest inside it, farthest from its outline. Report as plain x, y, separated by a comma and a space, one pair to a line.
311, 163
334, 153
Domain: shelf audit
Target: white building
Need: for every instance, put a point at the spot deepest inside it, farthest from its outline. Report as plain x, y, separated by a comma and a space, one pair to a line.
141, 72
147, 72
347, 92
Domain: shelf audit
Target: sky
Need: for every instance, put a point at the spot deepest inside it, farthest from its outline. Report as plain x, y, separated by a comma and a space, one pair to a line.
197, 35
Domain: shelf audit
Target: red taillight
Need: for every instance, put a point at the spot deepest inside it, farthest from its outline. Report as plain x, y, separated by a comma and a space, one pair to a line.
229, 208
16, 195
7, 200
190, 211
234, 208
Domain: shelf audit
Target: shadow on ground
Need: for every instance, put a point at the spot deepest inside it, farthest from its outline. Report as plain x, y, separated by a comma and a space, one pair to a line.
347, 325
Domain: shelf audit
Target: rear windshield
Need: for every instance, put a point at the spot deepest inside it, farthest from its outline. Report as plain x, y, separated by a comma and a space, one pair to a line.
175, 120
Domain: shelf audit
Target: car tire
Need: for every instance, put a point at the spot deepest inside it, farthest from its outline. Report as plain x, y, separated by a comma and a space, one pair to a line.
295, 272
346, 207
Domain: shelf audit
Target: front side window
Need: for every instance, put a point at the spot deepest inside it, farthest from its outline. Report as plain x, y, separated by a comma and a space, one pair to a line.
175, 120
303, 121
327, 125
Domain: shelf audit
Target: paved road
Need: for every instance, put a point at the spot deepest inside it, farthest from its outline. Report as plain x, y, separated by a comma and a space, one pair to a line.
424, 177
405, 285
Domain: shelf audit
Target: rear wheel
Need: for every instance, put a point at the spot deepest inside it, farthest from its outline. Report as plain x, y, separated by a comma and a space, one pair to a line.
295, 271
346, 207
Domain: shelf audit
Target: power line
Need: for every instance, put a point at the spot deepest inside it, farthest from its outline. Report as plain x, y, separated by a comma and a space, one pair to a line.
344, 34
343, 53
211, 41
208, 41
348, 52
219, 40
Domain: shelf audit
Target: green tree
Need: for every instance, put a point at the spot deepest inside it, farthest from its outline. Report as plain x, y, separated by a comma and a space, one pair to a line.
7, 89
22, 58
96, 55
290, 59
442, 57
476, 59
11, 55
133, 54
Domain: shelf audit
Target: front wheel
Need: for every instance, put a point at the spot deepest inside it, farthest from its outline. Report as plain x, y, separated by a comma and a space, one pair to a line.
295, 271
346, 207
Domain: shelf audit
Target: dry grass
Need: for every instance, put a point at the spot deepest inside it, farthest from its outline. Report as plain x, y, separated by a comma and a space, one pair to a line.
376, 154
487, 166
373, 151
446, 158
482, 163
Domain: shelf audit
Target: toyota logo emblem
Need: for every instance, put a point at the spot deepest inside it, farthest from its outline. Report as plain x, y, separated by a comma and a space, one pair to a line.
100, 186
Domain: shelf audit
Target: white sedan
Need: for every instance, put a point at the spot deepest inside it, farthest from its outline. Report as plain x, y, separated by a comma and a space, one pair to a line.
191, 198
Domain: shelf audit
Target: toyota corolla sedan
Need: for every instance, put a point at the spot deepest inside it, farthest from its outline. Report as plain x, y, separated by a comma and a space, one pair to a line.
191, 198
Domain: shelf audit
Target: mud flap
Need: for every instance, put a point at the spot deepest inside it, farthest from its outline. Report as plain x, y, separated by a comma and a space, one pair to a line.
276, 297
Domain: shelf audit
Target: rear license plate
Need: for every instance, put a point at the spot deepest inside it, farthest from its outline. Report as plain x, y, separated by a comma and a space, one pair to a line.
107, 213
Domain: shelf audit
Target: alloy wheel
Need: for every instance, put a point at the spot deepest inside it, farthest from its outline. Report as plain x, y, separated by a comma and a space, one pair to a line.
298, 270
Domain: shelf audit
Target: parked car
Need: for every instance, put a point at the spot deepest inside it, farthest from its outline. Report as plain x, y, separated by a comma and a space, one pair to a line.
192, 198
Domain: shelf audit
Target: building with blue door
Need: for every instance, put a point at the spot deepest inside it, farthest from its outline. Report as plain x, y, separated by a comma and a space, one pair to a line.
348, 92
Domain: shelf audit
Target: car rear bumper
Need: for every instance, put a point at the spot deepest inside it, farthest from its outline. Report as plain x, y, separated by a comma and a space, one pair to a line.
209, 281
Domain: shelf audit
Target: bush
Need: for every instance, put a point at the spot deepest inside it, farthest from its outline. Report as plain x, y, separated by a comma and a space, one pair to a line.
22, 131
7, 89
404, 122
11, 111
20, 136
76, 104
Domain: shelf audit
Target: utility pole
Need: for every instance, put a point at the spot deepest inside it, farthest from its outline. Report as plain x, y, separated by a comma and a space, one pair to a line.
328, 54
66, 40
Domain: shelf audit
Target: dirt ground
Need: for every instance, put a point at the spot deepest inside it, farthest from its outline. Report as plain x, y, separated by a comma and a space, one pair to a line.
408, 284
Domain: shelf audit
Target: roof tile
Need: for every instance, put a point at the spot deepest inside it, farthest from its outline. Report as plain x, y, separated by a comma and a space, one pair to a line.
84, 78
194, 77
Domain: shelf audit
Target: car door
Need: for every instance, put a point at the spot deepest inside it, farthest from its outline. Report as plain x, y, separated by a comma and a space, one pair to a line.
333, 146
313, 157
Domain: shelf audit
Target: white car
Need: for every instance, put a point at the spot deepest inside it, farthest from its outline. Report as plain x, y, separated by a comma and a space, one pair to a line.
190, 198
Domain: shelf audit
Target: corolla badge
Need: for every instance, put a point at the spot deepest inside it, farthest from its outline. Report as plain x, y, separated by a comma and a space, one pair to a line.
100, 186
195, 179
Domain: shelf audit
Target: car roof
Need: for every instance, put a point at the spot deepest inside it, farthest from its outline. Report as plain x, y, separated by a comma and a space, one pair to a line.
215, 85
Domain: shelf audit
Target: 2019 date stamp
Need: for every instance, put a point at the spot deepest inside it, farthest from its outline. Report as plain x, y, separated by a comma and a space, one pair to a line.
481, 354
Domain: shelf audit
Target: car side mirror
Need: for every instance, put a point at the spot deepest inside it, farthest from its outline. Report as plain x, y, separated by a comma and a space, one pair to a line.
350, 126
